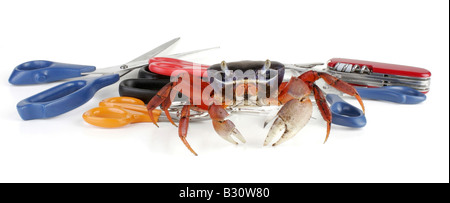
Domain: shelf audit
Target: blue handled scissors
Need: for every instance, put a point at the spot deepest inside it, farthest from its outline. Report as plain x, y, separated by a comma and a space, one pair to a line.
74, 93
346, 114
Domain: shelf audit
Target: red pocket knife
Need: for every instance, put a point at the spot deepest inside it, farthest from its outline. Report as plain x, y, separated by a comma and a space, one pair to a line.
375, 74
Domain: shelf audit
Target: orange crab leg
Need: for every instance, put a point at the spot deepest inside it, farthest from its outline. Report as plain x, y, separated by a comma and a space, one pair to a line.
312, 76
158, 99
165, 107
184, 125
323, 107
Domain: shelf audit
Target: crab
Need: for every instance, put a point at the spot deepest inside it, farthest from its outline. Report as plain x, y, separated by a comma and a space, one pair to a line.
265, 87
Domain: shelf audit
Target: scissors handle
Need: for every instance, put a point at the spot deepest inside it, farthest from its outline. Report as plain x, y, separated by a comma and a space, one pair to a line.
397, 94
62, 98
145, 73
116, 116
167, 66
40, 71
119, 111
345, 114
141, 88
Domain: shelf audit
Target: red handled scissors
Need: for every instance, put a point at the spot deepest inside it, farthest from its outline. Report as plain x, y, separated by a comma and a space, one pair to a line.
167, 66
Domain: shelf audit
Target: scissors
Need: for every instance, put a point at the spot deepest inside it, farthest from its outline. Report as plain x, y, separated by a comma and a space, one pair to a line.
120, 111
77, 91
149, 83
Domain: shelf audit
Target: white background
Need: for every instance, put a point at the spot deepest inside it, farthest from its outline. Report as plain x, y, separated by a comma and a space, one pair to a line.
401, 143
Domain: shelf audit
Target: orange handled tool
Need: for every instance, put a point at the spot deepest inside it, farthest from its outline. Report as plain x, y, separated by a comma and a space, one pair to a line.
119, 111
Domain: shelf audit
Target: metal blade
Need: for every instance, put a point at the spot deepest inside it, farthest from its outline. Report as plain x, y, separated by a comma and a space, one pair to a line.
190, 52
135, 63
155, 51
120, 69
302, 67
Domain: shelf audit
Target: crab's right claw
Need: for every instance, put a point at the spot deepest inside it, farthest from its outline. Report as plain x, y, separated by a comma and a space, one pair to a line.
225, 128
291, 118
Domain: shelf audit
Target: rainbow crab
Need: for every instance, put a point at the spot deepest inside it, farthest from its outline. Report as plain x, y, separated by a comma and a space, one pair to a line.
261, 84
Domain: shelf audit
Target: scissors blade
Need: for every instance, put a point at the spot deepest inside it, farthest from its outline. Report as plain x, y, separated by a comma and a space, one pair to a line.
155, 51
135, 63
142, 60
178, 55
120, 69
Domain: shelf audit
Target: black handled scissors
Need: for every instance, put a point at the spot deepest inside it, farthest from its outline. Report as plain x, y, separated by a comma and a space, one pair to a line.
149, 83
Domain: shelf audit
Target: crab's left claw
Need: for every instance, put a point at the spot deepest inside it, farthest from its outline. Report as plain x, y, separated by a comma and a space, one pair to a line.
291, 118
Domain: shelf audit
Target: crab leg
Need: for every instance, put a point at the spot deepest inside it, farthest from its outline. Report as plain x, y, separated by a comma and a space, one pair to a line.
161, 96
225, 128
323, 107
312, 76
184, 125
165, 107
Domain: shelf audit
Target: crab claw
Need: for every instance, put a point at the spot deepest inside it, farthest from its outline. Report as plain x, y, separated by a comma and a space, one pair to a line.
291, 118
225, 128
